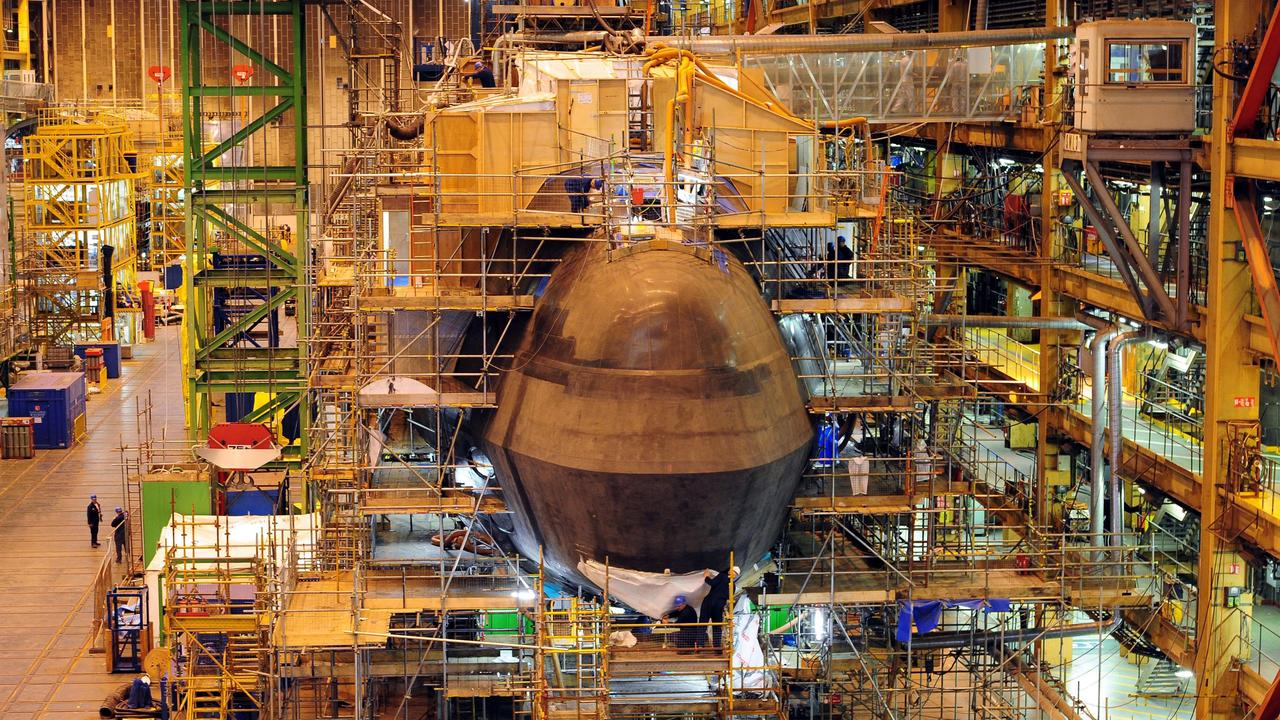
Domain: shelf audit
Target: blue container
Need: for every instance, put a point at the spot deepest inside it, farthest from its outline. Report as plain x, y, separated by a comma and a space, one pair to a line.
172, 277
237, 405
55, 400
252, 502
110, 355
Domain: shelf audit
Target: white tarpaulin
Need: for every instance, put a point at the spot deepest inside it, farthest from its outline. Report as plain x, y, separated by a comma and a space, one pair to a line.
747, 652
236, 535
653, 594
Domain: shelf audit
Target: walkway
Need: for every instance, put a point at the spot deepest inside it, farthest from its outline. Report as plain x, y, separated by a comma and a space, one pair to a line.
1176, 447
48, 566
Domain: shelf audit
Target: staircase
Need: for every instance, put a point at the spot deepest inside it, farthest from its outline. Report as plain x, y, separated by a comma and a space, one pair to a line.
206, 698
243, 657
1159, 678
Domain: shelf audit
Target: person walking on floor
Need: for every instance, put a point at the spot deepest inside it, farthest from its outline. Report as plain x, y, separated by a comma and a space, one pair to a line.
120, 532
714, 603
94, 513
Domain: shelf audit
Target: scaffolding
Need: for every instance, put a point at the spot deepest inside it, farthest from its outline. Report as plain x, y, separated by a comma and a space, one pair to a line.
431, 243
216, 619
79, 261
168, 212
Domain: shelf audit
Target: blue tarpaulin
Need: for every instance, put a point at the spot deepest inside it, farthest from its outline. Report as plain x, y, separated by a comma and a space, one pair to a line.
926, 614
828, 444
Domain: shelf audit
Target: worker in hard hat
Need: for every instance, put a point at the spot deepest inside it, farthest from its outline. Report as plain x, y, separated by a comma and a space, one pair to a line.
714, 603
684, 614
483, 76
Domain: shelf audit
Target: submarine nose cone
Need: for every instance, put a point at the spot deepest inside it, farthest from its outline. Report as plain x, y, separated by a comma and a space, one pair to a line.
651, 417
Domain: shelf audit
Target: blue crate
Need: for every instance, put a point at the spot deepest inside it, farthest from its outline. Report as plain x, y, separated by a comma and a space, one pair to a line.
110, 355
55, 400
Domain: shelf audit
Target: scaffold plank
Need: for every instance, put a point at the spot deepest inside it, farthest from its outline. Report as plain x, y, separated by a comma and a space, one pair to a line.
428, 399
855, 504
852, 305
980, 584
427, 501
861, 403
318, 612
410, 298
564, 11
828, 597
809, 219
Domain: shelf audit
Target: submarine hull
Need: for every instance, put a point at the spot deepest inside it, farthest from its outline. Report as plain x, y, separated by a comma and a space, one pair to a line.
651, 417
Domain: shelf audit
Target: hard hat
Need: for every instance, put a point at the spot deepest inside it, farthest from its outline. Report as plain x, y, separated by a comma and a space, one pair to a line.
679, 600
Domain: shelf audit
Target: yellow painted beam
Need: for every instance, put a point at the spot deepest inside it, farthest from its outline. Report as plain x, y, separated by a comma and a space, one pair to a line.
1258, 159
1230, 373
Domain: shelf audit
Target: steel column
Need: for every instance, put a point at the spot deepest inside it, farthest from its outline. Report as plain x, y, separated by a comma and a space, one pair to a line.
1153, 212
218, 362
1183, 216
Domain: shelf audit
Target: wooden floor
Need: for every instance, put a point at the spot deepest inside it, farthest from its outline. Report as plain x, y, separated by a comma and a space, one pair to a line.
46, 563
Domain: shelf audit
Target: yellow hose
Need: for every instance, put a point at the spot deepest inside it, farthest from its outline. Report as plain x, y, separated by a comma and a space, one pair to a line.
668, 163
685, 97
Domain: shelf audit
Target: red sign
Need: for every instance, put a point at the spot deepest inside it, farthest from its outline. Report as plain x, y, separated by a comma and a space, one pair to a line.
1244, 401
834, 698
159, 73
242, 72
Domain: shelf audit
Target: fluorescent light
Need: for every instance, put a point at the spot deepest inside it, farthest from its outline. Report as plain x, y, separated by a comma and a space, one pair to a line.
1184, 674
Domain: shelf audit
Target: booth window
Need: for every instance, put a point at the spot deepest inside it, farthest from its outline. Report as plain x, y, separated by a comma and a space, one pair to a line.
1146, 61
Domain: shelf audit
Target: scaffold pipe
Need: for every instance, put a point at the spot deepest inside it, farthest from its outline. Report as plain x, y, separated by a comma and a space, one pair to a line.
966, 638
1002, 321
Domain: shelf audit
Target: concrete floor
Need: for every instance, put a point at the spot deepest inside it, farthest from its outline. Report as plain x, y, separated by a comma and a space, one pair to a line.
1106, 683
47, 567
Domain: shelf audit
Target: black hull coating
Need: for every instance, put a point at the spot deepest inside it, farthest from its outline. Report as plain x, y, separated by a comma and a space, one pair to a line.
652, 417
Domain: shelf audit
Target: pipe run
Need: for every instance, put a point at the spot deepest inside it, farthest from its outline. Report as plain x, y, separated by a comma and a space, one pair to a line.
1097, 446
1115, 400
854, 42
849, 42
